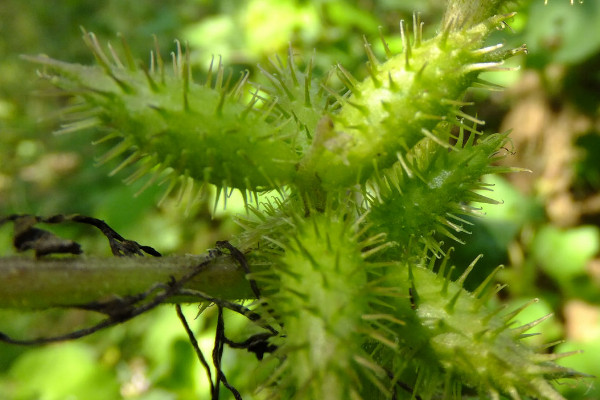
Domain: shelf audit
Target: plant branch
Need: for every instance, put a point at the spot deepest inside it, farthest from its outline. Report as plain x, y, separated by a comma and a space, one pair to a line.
466, 13
28, 283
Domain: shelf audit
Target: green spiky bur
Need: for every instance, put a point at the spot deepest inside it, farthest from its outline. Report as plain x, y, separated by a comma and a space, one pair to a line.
428, 193
460, 341
402, 101
301, 99
330, 298
212, 134
320, 311
349, 325
178, 126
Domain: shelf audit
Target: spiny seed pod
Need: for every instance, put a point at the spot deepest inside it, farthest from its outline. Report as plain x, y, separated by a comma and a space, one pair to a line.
208, 132
320, 298
300, 98
400, 103
451, 339
431, 190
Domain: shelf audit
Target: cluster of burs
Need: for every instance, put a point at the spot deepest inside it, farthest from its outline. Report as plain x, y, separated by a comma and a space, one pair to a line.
366, 179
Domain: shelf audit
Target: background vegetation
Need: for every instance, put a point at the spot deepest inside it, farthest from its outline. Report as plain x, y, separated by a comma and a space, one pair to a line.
546, 232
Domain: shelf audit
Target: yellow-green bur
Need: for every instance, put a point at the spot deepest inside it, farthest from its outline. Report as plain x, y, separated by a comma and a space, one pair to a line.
433, 192
451, 338
211, 133
402, 101
321, 298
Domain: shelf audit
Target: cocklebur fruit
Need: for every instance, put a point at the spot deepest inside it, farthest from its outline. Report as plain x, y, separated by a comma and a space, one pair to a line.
452, 339
320, 295
299, 97
174, 127
347, 323
433, 189
402, 101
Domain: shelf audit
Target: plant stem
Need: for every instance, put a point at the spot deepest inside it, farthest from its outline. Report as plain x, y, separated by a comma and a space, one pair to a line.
27, 283
469, 12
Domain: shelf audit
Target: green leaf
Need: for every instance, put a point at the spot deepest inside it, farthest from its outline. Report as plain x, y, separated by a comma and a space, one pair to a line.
563, 33
59, 372
564, 254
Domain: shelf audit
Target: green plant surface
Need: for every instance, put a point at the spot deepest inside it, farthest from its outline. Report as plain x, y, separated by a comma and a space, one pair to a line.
556, 38
42, 372
360, 177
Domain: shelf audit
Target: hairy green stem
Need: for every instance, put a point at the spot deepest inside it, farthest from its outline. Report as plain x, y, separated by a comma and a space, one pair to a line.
27, 283
470, 12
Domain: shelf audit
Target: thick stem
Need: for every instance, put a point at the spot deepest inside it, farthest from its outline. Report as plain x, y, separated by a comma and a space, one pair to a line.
28, 283
466, 13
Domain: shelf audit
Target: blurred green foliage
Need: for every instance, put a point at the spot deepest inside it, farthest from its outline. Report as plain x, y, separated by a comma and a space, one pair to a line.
150, 357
